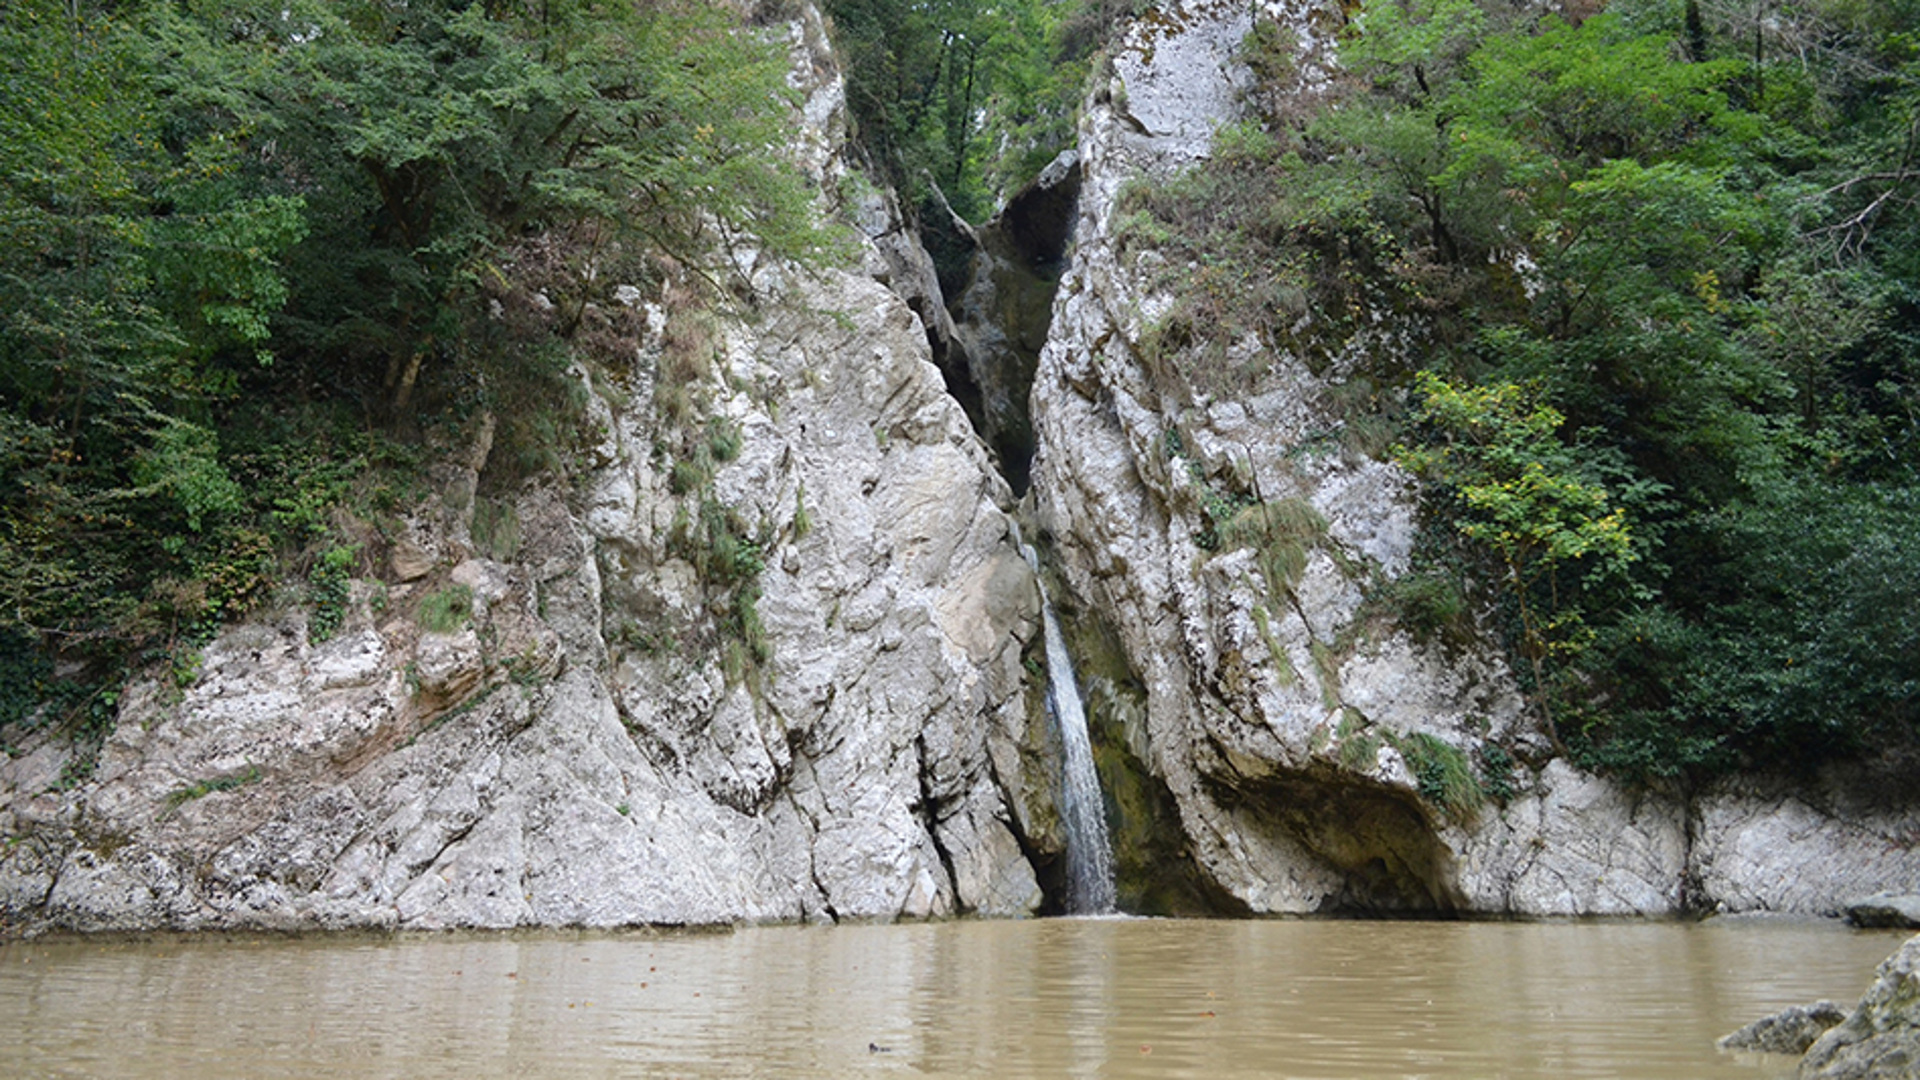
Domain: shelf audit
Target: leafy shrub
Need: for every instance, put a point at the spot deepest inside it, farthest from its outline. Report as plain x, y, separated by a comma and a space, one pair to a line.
25, 676
1429, 605
199, 789
686, 478
802, 520
329, 584
723, 440
1496, 773
1283, 532
1359, 748
730, 559
496, 528
1444, 774
1521, 495
1808, 646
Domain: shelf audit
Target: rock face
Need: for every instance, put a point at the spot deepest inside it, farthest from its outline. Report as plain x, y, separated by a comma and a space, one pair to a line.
575, 747
1306, 742
1880, 1039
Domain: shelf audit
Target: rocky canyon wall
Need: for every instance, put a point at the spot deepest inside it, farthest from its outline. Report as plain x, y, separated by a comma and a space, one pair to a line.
611, 731
1304, 738
577, 750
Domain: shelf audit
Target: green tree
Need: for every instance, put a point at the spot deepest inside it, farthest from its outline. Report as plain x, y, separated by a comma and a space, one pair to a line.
1519, 495
431, 137
135, 282
975, 97
1688, 230
227, 224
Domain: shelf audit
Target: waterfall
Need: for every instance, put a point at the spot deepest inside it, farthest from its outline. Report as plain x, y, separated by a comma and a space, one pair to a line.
1089, 855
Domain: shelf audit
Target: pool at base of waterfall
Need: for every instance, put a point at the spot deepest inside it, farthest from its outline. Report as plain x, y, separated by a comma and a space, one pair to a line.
1086, 997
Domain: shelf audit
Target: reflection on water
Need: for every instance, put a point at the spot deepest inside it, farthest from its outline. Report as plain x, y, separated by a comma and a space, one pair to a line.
1051, 998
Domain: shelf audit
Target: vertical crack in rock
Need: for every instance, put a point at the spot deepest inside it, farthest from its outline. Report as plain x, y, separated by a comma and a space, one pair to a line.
1692, 893
813, 861
1000, 281
1047, 870
929, 810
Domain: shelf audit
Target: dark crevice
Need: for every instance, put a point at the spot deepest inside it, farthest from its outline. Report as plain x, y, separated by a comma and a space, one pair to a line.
929, 810
1693, 891
949, 241
455, 837
999, 281
813, 863
1039, 221
951, 359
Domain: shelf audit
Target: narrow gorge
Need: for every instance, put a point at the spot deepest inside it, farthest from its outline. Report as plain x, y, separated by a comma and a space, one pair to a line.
771, 648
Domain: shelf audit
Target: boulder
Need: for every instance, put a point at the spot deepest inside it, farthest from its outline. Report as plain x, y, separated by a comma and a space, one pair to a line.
1789, 1031
1880, 1039
1901, 910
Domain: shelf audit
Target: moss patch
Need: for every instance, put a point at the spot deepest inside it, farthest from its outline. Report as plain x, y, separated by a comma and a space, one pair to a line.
448, 610
186, 793
1444, 773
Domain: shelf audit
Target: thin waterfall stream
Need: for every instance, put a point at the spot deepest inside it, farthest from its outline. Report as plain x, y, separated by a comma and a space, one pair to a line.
1090, 889
998, 281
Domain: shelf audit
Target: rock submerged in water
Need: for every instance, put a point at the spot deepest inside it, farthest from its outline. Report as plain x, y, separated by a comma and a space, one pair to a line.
1880, 1039
1789, 1031
1886, 909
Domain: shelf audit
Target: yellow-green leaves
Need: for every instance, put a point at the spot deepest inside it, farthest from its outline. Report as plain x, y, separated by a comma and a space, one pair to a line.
1517, 491
1516, 485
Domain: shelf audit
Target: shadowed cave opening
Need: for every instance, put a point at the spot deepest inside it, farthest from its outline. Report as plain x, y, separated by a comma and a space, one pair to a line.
1379, 842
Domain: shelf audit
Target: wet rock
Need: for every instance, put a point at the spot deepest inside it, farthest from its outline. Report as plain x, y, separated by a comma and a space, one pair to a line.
1886, 909
1880, 1038
1789, 1031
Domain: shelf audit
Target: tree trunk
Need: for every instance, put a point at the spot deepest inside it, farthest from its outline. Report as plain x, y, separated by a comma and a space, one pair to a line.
403, 394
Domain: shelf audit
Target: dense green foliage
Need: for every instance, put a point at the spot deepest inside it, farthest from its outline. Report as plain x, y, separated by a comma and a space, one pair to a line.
1520, 498
251, 251
1666, 262
973, 97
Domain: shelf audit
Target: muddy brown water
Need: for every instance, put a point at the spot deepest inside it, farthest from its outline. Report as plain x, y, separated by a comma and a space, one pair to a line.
1043, 998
